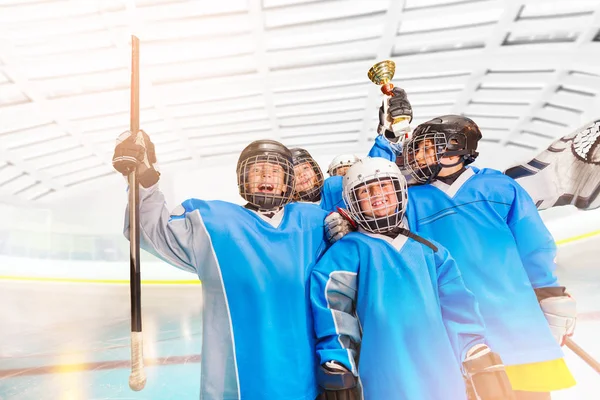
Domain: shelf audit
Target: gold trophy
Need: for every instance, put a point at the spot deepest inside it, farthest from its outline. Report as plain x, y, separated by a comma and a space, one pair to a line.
381, 74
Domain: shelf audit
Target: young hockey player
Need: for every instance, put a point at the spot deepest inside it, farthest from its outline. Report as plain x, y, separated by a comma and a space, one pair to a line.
332, 188
309, 178
401, 300
254, 263
505, 253
340, 164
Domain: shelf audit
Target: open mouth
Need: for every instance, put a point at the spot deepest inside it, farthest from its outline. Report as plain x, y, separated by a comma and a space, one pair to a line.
378, 204
266, 188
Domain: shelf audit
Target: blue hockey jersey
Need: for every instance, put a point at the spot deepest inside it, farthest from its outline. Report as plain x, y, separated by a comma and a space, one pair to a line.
258, 340
407, 308
385, 149
331, 194
493, 230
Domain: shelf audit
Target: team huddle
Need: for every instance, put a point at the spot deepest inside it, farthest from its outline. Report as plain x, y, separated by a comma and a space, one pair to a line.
407, 274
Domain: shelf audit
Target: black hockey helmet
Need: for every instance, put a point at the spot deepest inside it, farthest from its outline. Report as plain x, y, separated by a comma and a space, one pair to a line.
312, 194
450, 135
269, 152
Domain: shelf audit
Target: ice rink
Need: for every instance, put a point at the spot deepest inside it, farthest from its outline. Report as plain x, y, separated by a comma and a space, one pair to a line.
70, 341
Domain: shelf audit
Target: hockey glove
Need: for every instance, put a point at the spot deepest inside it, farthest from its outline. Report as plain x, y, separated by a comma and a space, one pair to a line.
337, 382
396, 109
136, 152
486, 376
337, 225
560, 311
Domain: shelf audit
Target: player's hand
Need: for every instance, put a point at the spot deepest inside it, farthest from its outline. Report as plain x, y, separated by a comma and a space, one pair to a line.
560, 310
393, 107
337, 382
337, 226
133, 152
486, 376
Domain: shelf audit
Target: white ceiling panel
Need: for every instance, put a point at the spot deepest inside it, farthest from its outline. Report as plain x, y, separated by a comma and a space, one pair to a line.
97, 82
240, 127
199, 27
9, 173
317, 95
225, 119
16, 185
207, 69
324, 33
91, 105
325, 107
227, 106
181, 10
332, 53
62, 156
64, 65
217, 75
21, 116
33, 192
328, 118
68, 167
24, 137
84, 174
54, 145
204, 142
39, 11
321, 11
11, 94
319, 130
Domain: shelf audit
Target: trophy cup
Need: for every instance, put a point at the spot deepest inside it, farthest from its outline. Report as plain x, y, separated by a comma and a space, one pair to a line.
381, 74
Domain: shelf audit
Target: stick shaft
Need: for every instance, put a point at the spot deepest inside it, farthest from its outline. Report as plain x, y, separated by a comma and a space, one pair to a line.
134, 223
137, 378
589, 360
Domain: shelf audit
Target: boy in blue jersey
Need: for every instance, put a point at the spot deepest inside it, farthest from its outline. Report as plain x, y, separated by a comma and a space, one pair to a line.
341, 163
391, 308
254, 263
332, 188
309, 177
505, 253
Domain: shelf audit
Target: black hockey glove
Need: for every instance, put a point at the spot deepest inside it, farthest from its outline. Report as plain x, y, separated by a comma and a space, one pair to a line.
136, 152
337, 382
486, 376
394, 107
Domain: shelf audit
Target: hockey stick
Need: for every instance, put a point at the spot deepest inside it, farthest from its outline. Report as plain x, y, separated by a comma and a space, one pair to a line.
589, 360
137, 379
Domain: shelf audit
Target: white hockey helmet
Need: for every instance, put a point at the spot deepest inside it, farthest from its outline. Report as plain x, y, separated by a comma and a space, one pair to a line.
375, 193
343, 160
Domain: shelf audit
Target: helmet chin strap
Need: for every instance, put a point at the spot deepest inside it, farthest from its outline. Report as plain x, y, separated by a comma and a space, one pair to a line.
460, 161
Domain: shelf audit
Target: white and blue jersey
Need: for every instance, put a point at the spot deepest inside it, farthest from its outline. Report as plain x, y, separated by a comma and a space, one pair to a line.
493, 230
407, 309
258, 340
331, 193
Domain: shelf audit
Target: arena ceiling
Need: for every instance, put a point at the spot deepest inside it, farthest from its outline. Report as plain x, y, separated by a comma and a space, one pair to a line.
216, 75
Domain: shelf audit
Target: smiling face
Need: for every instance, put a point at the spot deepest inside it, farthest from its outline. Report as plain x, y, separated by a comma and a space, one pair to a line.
341, 171
306, 178
268, 178
425, 154
377, 199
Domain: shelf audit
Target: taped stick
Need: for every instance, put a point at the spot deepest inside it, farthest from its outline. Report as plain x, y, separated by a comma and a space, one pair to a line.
137, 378
585, 356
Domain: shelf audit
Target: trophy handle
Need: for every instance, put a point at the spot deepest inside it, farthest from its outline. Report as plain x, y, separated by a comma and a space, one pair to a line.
387, 89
